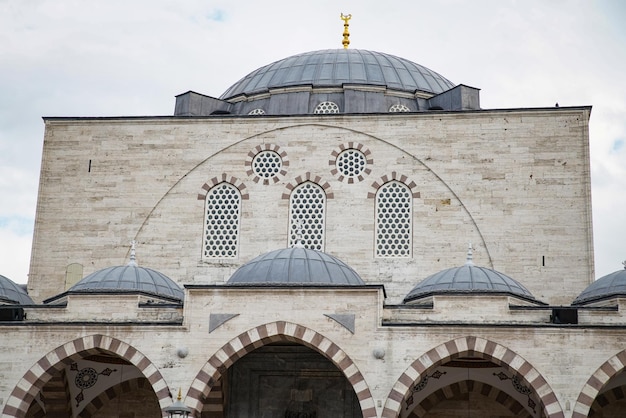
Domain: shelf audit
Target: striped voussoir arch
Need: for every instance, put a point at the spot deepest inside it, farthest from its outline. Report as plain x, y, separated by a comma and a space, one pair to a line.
469, 386
38, 375
472, 347
596, 382
254, 338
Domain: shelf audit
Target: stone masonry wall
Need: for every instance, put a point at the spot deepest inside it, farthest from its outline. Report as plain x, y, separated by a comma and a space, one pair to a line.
514, 183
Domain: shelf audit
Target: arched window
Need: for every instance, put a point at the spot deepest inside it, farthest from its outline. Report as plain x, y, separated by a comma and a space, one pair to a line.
73, 274
221, 225
393, 220
327, 107
307, 204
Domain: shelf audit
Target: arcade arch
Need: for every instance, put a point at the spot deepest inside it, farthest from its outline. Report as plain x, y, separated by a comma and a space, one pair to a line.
51, 370
211, 375
402, 396
605, 391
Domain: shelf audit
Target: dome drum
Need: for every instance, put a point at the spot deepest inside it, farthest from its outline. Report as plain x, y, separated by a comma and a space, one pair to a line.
357, 81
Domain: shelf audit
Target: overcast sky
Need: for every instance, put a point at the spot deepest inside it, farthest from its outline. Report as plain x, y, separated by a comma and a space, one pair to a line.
131, 57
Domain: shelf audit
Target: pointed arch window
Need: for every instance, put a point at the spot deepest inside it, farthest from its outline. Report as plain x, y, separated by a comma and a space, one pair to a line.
221, 223
307, 207
394, 207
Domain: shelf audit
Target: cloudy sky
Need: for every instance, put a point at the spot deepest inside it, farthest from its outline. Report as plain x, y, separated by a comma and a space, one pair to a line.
131, 57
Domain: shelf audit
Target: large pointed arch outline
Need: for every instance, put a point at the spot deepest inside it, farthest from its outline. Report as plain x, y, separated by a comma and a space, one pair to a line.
472, 346
596, 382
265, 334
327, 126
41, 372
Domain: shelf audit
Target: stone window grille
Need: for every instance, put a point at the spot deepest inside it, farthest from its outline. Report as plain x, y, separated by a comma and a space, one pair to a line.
267, 164
222, 218
393, 220
351, 163
326, 107
307, 204
399, 108
257, 111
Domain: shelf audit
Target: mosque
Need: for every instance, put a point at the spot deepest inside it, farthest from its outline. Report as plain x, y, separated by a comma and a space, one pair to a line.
342, 233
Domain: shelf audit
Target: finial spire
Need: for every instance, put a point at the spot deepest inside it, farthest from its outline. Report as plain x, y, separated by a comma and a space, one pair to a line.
470, 254
624, 264
133, 259
346, 34
180, 395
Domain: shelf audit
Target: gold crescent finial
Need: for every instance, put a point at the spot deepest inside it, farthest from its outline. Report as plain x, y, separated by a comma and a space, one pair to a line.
346, 34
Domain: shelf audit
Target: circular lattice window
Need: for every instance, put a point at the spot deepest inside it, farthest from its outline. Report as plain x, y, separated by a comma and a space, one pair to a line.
221, 233
306, 217
256, 112
351, 163
399, 108
327, 107
267, 164
393, 220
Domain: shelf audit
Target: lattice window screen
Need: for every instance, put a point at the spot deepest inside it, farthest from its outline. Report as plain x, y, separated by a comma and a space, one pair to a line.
393, 220
221, 230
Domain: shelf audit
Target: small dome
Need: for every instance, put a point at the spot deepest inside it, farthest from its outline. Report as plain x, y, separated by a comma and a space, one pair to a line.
609, 286
468, 279
12, 293
129, 279
296, 266
335, 67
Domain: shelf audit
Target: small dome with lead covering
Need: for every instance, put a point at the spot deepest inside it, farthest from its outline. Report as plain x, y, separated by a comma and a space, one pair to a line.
468, 279
127, 279
297, 267
13, 294
610, 286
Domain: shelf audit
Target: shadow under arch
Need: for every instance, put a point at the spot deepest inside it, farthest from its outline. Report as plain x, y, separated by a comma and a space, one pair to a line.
265, 334
596, 382
469, 387
41, 372
472, 347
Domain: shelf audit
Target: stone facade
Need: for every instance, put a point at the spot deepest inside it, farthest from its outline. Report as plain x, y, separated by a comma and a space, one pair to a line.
515, 183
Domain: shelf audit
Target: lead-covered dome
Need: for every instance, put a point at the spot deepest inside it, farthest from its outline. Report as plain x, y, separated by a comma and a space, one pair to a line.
610, 286
12, 293
297, 267
468, 279
129, 279
336, 67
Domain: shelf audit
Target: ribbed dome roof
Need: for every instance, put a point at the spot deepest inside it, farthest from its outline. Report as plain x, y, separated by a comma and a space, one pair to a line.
128, 279
468, 279
611, 285
335, 67
296, 266
11, 292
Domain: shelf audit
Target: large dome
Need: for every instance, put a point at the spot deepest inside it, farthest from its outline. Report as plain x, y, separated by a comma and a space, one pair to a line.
468, 279
609, 286
129, 279
12, 293
335, 67
296, 266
